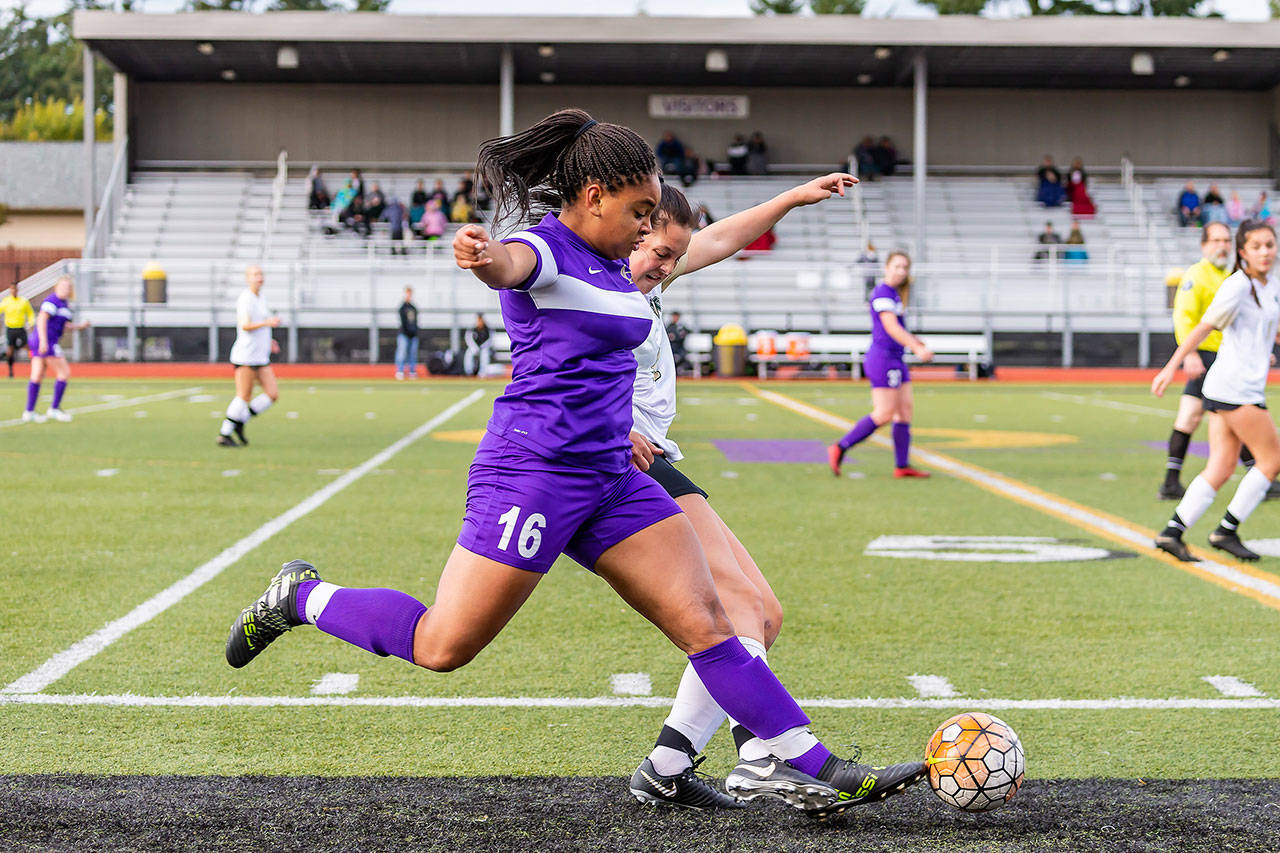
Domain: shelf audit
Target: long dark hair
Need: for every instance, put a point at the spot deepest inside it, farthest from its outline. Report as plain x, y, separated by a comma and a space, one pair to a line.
673, 209
1242, 236
550, 162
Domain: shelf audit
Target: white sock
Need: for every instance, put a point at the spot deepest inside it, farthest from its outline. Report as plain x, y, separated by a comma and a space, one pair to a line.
1196, 501
318, 599
754, 748
1252, 489
237, 410
792, 743
695, 715
260, 404
228, 426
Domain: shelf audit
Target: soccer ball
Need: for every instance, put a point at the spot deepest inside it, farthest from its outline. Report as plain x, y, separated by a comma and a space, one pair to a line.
975, 762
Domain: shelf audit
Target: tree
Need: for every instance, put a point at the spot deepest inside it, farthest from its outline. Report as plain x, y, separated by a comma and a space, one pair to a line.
776, 7
1128, 8
837, 7
40, 60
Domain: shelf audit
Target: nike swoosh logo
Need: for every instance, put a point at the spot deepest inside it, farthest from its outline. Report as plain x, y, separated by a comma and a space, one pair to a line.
662, 789
763, 774
593, 271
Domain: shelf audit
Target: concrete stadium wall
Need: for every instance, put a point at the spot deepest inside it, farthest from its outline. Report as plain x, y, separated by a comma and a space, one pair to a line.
999, 127
49, 175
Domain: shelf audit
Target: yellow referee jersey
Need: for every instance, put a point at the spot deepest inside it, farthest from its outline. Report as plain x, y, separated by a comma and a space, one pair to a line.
17, 312
1199, 284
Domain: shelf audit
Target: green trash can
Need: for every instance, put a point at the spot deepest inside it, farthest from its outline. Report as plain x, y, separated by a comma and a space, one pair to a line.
731, 350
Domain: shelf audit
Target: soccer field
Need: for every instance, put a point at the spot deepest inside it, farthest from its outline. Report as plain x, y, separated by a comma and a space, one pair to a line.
1019, 579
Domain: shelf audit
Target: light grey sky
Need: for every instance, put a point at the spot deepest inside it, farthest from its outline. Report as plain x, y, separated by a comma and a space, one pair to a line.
1235, 10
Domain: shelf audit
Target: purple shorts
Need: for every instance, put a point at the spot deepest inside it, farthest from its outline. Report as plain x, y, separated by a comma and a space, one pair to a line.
885, 370
524, 510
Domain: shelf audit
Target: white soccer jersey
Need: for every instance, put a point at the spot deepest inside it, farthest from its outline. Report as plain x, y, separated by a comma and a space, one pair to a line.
251, 348
653, 399
1239, 374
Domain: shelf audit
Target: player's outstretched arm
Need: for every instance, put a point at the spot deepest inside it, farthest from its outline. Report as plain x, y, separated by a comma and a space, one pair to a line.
499, 265
1189, 345
724, 237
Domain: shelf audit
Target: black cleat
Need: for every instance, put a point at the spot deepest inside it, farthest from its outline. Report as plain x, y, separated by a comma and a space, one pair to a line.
773, 777
226, 441
857, 784
1273, 491
239, 428
685, 790
1171, 491
1174, 545
1229, 541
275, 612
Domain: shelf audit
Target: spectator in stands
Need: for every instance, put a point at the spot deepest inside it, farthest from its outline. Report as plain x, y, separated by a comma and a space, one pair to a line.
407, 339
1048, 237
440, 194
694, 168
434, 222
357, 183
397, 217
676, 333
864, 154
757, 155
418, 202
1075, 253
1262, 209
318, 197
1236, 212
463, 205
670, 152
1189, 206
479, 349
1049, 189
869, 266
375, 203
1213, 209
886, 156
704, 217
341, 204
1078, 190
736, 153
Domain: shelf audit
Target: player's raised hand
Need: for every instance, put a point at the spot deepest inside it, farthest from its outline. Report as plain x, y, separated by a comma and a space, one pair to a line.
469, 245
821, 189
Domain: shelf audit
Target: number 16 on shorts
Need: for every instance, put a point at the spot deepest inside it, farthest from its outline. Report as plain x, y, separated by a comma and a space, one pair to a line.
530, 538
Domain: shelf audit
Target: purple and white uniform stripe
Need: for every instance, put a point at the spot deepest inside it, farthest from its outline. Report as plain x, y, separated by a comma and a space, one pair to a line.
573, 325
59, 313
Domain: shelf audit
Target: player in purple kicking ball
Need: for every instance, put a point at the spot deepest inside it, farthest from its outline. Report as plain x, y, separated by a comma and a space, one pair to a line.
890, 380
553, 473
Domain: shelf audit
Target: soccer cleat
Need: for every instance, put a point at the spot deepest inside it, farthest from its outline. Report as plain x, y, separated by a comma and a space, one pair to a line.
900, 473
1273, 491
58, 415
275, 612
238, 426
857, 784
772, 777
1174, 545
226, 441
33, 418
835, 455
685, 790
1229, 541
1171, 491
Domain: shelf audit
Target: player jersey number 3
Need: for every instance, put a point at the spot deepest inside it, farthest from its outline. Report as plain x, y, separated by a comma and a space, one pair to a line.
530, 539
895, 377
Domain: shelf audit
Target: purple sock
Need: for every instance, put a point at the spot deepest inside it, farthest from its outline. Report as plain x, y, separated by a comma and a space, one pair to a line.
33, 393
304, 590
381, 621
59, 388
811, 762
747, 689
901, 444
860, 431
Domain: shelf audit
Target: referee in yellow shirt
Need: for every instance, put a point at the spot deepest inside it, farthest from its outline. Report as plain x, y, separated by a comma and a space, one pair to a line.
18, 317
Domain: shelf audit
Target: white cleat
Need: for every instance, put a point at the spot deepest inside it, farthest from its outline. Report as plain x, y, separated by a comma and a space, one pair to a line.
59, 415
33, 418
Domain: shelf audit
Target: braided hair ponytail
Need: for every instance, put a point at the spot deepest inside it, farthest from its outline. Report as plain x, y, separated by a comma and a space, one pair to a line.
554, 159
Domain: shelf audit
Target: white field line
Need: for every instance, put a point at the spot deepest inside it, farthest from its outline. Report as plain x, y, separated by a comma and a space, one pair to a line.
631, 684
66, 660
335, 683
1229, 685
1121, 703
1109, 404
932, 686
1132, 536
116, 404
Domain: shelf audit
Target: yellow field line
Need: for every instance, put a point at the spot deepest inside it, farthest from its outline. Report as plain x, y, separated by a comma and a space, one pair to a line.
1237, 577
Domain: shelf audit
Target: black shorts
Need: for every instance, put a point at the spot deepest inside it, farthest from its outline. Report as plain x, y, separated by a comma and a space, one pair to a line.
1215, 406
676, 484
17, 337
1193, 386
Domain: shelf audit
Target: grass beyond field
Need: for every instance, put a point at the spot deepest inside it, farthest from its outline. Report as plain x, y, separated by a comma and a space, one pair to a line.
127, 560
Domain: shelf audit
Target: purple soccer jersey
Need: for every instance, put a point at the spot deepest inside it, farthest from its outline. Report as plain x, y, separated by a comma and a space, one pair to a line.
885, 298
573, 325
59, 313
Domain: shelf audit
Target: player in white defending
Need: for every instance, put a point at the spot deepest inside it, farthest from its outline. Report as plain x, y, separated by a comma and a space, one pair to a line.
251, 355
